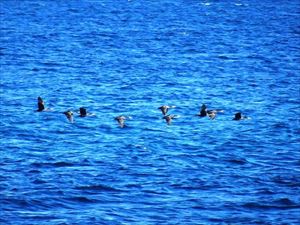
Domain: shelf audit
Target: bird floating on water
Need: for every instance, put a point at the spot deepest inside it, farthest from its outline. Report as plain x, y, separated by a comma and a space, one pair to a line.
41, 104
212, 113
239, 116
121, 120
82, 112
169, 118
69, 115
165, 108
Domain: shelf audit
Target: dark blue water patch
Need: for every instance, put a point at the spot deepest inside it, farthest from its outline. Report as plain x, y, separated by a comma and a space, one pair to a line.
238, 161
56, 164
287, 180
39, 181
97, 188
80, 199
34, 171
283, 204
31, 204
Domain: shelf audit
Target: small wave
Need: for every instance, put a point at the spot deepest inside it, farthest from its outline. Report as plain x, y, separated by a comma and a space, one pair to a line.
225, 57
287, 181
283, 203
62, 164
81, 199
266, 191
51, 64
97, 188
56, 164
12, 202
24, 203
155, 192
206, 3
237, 161
280, 125
38, 181
73, 10
34, 171
191, 187
133, 186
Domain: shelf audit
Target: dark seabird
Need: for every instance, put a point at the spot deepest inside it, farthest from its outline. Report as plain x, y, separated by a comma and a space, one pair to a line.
239, 116
41, 104
121, 120
169, 118
69, 115
82, 112
210, 113
164, 109
203, 112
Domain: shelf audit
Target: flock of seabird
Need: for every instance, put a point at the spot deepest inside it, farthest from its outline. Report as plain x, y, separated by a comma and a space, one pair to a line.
204, 112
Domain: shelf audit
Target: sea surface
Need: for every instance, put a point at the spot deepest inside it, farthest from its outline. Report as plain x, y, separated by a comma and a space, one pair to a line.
129, 58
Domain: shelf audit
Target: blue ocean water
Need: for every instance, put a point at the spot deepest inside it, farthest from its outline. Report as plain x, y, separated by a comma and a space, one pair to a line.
128, 58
